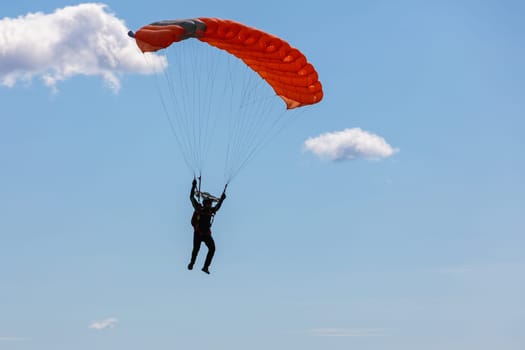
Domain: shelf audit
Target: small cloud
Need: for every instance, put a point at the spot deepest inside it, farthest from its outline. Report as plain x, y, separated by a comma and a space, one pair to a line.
349, 144
12, 339
346, 332
455, 270
104, 324
83, 39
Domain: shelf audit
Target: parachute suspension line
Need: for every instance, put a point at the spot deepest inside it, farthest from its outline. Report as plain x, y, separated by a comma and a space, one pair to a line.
187, 71
273, 127
186, 112
193, 113
157, 69
231, 114
247, 151
181, 105
176, 117
276, 129
209, 68
209, 117
246, 133
262, 109
172, 95
245, 119
178, 139
197, 73
256, 122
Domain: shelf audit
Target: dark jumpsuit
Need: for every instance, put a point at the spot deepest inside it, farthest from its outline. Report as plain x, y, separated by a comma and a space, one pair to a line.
201, 221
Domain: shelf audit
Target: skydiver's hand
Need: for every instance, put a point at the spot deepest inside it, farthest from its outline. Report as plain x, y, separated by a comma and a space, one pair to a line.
223, 196
194, 183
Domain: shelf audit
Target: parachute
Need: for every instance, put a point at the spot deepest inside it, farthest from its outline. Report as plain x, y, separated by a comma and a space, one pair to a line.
196, 98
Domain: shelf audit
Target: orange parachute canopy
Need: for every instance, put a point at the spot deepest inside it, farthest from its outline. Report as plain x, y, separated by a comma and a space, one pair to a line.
283, 67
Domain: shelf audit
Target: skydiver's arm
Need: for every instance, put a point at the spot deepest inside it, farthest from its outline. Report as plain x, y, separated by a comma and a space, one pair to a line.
218, 206
194, 202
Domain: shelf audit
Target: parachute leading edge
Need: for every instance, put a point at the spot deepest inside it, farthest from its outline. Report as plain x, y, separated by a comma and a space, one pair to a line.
283, 67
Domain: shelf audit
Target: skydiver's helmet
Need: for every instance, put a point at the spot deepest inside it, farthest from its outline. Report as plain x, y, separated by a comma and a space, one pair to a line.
207, 202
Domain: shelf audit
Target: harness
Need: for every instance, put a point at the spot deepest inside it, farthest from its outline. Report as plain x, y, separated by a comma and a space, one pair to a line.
195, 218
204, 226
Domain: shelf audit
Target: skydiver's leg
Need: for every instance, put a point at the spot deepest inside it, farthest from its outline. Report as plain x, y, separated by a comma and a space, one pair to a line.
208, 240
196, 246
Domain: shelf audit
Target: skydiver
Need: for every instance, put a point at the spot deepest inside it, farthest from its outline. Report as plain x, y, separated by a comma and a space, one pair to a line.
201, 221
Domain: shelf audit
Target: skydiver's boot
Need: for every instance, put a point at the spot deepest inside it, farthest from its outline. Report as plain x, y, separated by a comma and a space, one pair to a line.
190, 266
205, 269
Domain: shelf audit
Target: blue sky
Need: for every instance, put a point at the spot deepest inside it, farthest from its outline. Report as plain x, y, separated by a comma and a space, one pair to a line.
421, 247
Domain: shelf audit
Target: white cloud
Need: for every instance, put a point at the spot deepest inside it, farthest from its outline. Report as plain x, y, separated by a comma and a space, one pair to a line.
346, 332
492, 268
349, 144
455, 270
104, 324
12, 339
76, 40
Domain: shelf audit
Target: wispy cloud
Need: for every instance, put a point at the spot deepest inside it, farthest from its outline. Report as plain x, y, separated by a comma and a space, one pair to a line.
346, 332
455, 270
349, 144
482, 269
13, 339
85, 39
104, 324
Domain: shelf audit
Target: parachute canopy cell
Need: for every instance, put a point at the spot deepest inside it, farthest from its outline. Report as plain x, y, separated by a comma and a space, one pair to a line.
283, 67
